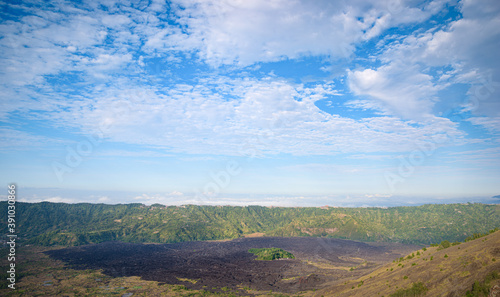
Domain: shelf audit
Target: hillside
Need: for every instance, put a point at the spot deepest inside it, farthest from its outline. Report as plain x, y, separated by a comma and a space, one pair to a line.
76, 224
436, 271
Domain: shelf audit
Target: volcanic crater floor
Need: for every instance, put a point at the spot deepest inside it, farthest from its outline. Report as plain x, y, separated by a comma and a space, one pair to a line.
215, 265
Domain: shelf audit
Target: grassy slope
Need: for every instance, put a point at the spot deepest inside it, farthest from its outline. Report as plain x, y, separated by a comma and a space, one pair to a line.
443, 276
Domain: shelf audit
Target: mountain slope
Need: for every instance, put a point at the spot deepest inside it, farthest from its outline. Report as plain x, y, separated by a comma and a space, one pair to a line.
450, 271
76, 224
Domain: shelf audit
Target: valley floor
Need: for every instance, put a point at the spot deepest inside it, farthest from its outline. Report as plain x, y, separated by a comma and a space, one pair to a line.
221, 267
322, 267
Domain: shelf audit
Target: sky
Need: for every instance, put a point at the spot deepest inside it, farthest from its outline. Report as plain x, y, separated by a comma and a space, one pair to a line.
268, 102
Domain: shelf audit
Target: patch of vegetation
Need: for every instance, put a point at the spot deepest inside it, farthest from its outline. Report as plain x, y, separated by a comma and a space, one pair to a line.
417, 289
193, 281
479, 235
444, 245
269, 254
410, 256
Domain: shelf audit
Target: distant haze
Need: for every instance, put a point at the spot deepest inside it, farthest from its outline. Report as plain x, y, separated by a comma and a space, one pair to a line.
122, 197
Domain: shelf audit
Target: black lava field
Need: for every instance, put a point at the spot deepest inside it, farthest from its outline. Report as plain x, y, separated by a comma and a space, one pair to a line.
217, 264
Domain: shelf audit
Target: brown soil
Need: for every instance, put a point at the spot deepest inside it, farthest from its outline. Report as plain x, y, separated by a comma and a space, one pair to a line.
215, 265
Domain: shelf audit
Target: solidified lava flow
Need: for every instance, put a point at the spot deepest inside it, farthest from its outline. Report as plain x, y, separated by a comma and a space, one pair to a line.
228, 263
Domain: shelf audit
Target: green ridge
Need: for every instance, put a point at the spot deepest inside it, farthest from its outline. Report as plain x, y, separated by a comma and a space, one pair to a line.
76, 224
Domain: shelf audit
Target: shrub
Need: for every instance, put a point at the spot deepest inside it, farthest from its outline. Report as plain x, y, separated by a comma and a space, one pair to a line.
269, 254
445, 244
417, 289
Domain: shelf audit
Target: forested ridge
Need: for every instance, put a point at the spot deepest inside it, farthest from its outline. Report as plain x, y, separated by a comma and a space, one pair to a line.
75, 224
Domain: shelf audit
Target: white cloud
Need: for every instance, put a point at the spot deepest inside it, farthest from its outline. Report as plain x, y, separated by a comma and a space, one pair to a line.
244, 117
56, 199
90, 42
246, 32
329, 169
490, 123
41, 48
133, 154
115, 21
401, 90
11, 138
220, 115
469, 46
172, 198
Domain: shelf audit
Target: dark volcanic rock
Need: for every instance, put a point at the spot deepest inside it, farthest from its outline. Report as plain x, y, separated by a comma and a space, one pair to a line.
225, 263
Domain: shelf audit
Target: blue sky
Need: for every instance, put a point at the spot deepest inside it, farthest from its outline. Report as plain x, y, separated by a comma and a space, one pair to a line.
292, 103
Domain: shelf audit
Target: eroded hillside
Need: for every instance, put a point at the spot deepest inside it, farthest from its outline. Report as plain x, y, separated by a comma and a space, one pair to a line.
442, 271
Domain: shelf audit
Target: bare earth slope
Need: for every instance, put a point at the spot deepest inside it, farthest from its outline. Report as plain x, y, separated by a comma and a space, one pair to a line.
446, 272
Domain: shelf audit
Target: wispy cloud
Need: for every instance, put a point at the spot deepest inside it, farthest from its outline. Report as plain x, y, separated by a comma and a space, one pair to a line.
234, 32
270, 115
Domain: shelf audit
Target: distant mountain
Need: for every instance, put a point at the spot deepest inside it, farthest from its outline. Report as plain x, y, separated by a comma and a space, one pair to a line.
76, 224
467, 269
